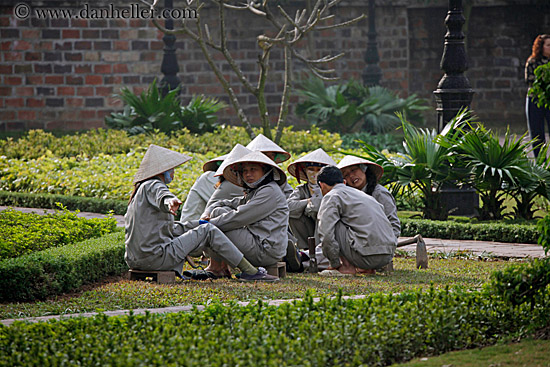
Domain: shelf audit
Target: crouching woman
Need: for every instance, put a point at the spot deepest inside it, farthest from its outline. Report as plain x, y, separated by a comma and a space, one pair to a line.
355, 234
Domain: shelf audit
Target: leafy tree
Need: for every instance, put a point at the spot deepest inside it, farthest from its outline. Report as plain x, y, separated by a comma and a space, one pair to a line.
541, 86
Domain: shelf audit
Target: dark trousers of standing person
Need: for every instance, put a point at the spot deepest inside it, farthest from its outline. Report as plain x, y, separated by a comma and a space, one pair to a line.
535, 122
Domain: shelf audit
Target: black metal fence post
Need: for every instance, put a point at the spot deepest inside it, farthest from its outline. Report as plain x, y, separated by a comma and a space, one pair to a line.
169, 66
453, 93
372, 73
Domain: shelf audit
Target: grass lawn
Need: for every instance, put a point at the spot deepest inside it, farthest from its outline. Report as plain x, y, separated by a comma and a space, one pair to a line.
532, 353
119, 293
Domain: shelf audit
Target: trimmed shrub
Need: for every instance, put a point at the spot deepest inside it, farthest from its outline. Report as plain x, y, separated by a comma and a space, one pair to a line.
59, 270
48, 201
543, 226
103, 176
23, 233
523, 283
376, 331
503, 232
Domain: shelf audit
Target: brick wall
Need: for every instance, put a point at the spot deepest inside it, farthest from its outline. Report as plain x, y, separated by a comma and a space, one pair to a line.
62, 73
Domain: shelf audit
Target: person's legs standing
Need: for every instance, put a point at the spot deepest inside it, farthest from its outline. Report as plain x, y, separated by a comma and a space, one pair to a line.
535, 123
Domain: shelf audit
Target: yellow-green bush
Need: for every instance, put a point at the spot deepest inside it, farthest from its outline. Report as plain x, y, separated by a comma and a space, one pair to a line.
38, 143
103, 176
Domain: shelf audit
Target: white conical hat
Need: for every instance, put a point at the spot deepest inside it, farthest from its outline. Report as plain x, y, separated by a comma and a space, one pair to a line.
213, 164
351, 160
237, 152
157, 160
317, 156
231, 171
264, 145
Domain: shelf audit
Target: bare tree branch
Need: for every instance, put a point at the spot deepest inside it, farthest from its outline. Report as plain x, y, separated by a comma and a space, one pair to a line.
228, 56
225, 84
290, 30
283, 110
343, 24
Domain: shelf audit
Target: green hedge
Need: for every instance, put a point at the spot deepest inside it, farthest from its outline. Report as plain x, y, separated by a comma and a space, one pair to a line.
502, 232
59, 270
376, 331
24, 233
523, 283
48, 201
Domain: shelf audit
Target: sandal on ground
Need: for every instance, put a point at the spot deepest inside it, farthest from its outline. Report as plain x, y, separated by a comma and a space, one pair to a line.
333, 273
199, 274
221, 275
182, 277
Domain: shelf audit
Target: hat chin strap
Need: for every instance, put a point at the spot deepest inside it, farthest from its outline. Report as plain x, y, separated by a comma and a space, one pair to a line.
255, 184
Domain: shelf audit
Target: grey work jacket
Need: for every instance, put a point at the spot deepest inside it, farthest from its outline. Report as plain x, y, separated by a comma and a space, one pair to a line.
150, 228
369, 230
225, 191
298, 203
264, 212
198, 196
384, 197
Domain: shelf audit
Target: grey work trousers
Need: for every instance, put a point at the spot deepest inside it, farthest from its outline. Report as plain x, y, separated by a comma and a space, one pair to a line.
354, 257
249, 244
205, 238
302, 228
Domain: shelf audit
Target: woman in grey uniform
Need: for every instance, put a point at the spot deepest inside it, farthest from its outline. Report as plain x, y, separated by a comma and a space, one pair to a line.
305, 200
154, 241
364, 175
256, 223
201, 191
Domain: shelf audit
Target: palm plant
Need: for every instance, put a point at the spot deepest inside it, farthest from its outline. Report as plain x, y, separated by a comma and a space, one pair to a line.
329, 108
494, 168
537, 183
352, 107
425, 164
150, 111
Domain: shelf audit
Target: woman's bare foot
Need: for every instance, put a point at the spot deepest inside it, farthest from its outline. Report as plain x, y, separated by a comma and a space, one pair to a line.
215, 266
346, 267
366, 271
